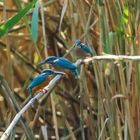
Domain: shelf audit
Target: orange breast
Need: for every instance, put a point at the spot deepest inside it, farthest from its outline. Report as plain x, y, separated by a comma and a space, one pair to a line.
41, 86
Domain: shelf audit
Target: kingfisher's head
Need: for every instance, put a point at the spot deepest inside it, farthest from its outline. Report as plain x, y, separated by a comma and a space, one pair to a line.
48, 71
83, 45
48, 60
77, 42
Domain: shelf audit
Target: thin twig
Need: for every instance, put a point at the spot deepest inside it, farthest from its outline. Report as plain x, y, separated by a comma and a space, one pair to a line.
69, 50
103, 128
75, 132
44, 132
43, 28
21, 57
70, 130
54, 118
9, 96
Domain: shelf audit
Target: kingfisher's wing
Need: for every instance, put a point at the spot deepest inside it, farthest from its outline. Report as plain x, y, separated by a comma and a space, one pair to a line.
86, 49
65, 63
37, 80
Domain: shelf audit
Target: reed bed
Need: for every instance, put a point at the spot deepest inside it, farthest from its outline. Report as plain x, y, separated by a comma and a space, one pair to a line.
104, 102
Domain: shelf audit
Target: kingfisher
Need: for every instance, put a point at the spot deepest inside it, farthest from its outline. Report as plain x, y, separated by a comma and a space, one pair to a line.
38, 80
83, 46
61, 62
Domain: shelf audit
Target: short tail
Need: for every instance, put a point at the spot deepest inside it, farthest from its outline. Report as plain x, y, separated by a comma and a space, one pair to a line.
30, 92
91, 53
75, 72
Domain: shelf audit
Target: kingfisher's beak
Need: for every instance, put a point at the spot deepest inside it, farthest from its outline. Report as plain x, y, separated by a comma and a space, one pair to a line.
41, 63
59, 73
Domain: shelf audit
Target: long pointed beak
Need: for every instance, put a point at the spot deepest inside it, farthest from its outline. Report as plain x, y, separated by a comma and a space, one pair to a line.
60, 73
41, 63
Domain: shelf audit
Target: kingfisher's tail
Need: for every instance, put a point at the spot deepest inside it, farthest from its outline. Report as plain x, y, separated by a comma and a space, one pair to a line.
91, 53
30, 92
75, 72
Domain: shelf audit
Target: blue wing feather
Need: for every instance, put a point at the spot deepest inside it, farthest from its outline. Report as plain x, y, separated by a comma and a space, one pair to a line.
86, 49
65, 63
37, 80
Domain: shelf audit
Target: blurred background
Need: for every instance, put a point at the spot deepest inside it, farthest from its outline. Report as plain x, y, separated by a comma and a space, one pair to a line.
104, 103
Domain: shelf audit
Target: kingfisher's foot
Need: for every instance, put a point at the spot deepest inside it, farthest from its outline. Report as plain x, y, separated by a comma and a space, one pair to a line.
42, 90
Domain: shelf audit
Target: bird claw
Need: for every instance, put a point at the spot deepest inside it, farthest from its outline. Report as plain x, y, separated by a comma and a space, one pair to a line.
43, 90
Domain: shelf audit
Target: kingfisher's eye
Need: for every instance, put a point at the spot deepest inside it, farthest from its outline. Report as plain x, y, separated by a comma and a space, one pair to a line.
48, 60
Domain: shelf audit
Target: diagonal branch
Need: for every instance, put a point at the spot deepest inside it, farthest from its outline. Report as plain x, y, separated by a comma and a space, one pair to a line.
46, 90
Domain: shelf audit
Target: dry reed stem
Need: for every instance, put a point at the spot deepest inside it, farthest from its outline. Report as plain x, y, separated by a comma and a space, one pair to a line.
8, 94
113, 57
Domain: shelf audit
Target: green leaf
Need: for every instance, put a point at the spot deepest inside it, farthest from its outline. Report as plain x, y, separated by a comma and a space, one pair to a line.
4, 28
111, 38
120, 30
125, 15
34, 25
25, 18
104, 34
125, 11
36, 58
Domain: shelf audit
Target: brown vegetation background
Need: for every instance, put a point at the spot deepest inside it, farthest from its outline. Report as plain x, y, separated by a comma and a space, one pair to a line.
104, 104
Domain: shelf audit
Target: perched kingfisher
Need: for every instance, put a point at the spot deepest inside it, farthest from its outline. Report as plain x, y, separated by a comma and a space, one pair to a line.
39, 79
61, 62
83, 46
